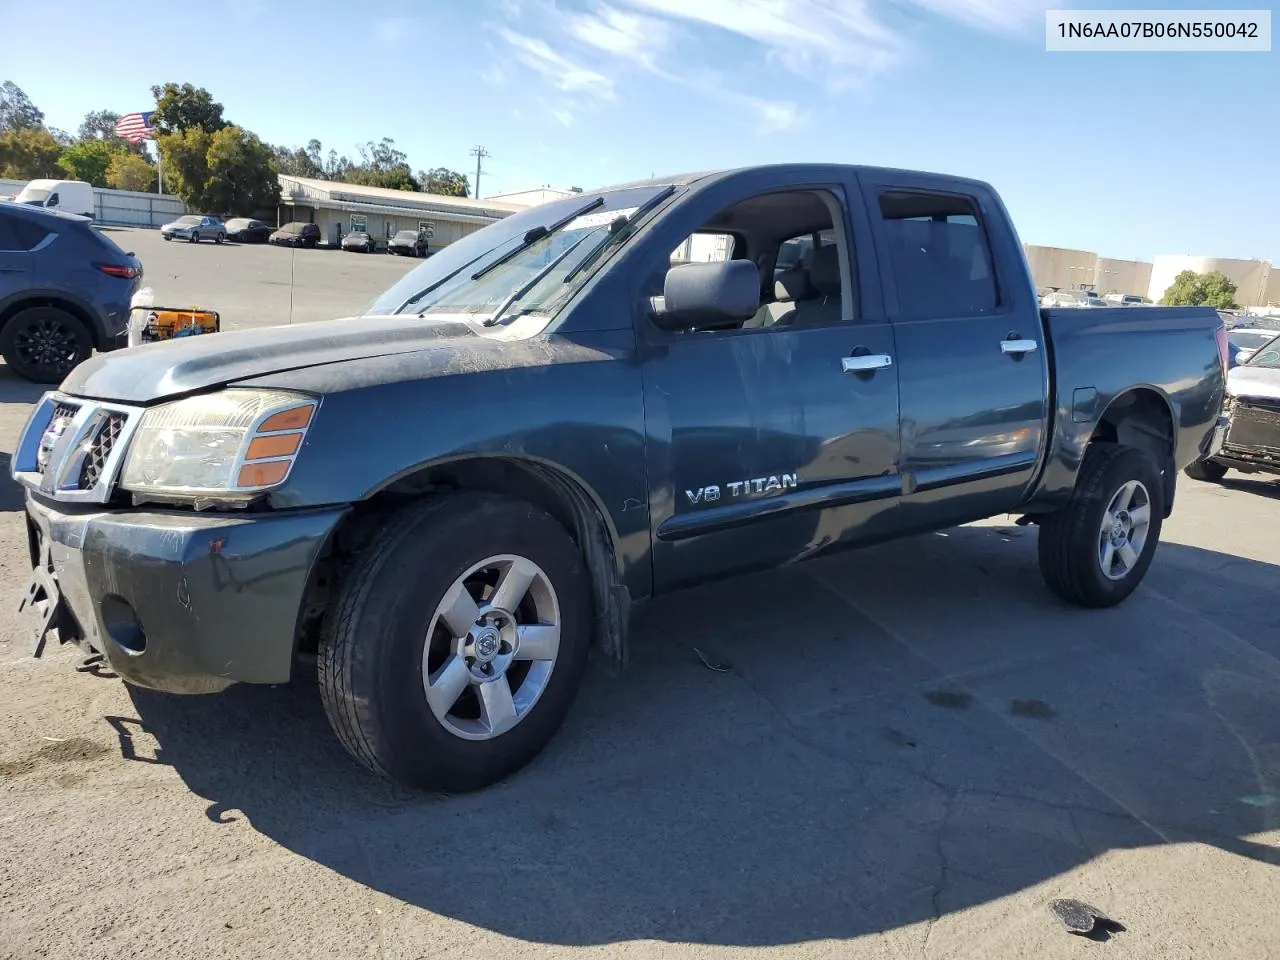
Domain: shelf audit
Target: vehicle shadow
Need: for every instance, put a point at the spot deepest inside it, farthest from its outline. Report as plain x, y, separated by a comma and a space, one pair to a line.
788, 760
1269, 487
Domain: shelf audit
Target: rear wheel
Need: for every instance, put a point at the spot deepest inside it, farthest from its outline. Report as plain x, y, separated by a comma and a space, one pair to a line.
219, 238
457, 642
1095, 551
44, 344
1210, 471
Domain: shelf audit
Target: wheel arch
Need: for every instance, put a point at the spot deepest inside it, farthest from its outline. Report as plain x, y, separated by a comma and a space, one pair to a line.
1143, 417
561, 494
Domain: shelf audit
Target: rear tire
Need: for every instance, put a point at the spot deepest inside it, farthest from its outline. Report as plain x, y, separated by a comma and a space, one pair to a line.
1208, 471
1095, 550
44, 344
402, 625
219, 238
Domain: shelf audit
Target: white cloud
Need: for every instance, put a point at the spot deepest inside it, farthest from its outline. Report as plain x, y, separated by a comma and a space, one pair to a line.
394, 30
831, 42
631, 36
996, 16
563, 73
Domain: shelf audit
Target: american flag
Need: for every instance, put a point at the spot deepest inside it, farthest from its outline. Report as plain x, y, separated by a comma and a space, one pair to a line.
136, 127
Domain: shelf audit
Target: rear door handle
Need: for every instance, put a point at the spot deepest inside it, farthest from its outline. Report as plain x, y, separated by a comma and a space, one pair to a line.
866, 362
1018, 347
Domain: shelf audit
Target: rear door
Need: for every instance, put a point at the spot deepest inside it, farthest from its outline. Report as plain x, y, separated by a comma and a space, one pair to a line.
973, 367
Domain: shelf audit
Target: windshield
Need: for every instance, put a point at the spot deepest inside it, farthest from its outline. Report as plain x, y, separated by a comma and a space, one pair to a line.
187, 221
1268, 357
295, 227
33, 195
406, 235
460, 294
1250, 339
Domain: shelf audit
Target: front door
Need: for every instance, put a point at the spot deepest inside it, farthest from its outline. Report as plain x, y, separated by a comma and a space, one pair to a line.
973, 374
775, 440
15, 260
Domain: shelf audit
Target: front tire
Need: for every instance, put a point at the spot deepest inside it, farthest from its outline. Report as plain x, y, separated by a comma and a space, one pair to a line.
457, 643
1095, 550
1209, 471
195, 238
44, 344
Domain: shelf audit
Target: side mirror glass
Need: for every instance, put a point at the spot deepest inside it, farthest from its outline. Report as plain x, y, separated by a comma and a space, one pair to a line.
707, 294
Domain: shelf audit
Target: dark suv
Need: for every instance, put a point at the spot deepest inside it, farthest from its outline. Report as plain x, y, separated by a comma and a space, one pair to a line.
65, 290
296, 234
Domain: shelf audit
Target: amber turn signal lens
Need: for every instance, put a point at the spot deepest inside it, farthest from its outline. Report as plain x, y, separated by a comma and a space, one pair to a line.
263, 474
294, 419
281, 445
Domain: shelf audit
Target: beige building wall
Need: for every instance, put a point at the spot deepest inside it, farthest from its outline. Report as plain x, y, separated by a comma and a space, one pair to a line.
1271, 296
1131, 277
1061, 268
1251, 277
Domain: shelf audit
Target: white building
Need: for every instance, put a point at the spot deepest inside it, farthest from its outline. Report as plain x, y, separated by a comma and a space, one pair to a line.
1252, 277
342, 208
1129, 277
535, 197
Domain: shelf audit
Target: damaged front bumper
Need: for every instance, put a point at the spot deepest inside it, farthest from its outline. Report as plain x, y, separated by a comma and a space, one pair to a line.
175, 600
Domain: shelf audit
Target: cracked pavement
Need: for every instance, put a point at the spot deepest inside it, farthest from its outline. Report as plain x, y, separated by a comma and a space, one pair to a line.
913, 750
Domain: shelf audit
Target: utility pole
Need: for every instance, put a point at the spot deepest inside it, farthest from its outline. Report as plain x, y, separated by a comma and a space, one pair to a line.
479, 153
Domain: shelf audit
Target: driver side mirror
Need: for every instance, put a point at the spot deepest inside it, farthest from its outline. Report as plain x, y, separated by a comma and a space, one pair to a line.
707, 295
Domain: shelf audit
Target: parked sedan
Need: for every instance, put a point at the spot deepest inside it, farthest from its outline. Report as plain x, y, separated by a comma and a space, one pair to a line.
193, 229
65, 289
359, 241
408, 242
296, 234
244, 230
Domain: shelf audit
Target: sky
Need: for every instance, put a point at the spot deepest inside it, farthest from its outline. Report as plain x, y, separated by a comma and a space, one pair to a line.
1130, 155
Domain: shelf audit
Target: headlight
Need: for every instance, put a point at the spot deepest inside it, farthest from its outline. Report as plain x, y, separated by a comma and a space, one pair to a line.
229, 445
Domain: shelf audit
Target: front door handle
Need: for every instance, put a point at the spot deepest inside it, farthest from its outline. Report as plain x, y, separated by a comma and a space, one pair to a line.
866, 362
1018, 347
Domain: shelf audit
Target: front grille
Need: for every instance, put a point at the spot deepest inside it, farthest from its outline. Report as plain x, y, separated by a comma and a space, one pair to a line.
63, 413
1255, 424
65, 410
100, 448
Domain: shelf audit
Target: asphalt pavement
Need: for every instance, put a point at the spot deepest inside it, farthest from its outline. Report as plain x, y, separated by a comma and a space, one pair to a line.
907, 751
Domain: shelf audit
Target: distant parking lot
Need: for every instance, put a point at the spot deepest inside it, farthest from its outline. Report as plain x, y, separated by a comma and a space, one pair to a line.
257, 284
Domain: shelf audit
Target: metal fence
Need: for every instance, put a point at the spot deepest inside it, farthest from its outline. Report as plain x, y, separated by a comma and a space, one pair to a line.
121, 208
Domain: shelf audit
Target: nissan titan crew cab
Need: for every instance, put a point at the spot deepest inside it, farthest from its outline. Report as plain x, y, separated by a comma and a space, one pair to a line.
590, 403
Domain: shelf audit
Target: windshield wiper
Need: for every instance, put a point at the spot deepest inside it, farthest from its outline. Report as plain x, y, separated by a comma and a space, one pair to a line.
536, 234
448, 276
518, 294
619, 233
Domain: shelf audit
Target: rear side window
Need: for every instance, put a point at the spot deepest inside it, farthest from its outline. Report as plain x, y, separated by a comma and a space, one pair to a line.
19, 234
939, 256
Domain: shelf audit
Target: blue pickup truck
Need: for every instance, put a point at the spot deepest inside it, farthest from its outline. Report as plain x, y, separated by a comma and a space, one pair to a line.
449, 498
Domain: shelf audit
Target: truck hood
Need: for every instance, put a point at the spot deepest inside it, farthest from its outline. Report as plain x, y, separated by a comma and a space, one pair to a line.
158, 371
1250, 381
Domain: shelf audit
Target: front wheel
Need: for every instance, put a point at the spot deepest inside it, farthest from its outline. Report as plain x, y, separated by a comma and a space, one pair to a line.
1210, 471
1095, 550
457, 643
195, 238
44, 344
167, 237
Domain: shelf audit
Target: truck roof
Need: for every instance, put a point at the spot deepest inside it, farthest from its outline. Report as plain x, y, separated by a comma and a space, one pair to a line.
818, 169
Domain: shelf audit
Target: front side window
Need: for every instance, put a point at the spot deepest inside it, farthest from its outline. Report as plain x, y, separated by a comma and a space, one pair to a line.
52, 201
1269, 357
939, 256
528, 263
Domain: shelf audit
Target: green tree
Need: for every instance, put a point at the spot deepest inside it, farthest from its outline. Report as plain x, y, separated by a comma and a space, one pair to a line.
1191, 289
28, 153
300, 161
128, 171
242, 174
88, 160
185, 107
17, 112
229, 171
185, 159
445, 182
